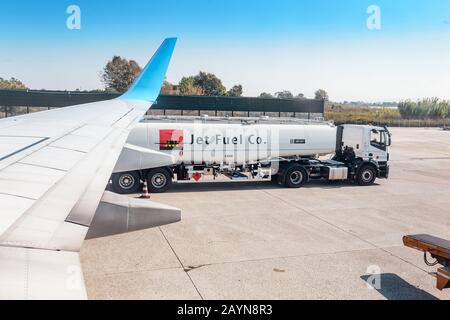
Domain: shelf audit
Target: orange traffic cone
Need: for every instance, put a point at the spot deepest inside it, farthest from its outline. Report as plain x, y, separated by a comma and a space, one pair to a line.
146, 194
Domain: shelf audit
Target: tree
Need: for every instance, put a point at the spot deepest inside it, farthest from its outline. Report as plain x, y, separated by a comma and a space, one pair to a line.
429, 108
266, 95
211, 85
12, 84
168, 88
236, 91
119, 74
321, 95
443, 109
204, 83
188, 87
284, 95
300, 96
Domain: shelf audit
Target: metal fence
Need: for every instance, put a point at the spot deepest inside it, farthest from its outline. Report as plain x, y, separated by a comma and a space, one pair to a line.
13, 102
402, 123
16, 102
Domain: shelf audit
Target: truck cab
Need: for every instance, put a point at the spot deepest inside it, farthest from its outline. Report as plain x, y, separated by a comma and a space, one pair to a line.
368, 142
367, 146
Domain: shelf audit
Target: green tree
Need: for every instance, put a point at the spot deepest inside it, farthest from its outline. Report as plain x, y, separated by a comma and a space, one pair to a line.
236, 91
321, 95
429, 108
119, 74
284, 95
188, 87
168, 88
443, 110
300, 96
204, 83
266, 95
210, 84
12, 84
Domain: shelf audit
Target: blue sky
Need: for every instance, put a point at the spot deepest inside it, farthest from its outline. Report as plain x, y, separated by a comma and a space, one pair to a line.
265, 45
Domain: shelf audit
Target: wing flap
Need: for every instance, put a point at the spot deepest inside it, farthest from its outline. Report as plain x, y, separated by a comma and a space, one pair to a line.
54, 158
28, 181
12, 208
119, 214
11, 145
40, 274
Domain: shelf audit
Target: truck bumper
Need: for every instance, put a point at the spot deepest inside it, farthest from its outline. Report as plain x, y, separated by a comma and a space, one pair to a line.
384, 172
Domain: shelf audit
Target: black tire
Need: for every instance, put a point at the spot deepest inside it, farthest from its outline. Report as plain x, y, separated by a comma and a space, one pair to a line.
126, 182
295, 177
159, 180
366, 176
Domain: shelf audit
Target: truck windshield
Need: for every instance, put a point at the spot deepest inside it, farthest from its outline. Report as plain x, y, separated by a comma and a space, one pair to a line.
378, 139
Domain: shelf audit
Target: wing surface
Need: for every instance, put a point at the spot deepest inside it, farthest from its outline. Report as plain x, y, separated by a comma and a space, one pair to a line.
54, 167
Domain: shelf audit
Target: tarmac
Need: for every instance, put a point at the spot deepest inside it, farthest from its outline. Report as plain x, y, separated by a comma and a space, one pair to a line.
260, 241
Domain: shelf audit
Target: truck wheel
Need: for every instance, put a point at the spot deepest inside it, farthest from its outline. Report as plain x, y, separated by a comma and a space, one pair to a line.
159, 180
126, 182
366, 176
295, 177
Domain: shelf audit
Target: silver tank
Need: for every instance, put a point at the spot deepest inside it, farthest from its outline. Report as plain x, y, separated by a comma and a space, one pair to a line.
237, 141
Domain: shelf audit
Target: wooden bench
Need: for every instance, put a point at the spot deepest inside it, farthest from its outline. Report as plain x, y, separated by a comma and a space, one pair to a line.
439, 249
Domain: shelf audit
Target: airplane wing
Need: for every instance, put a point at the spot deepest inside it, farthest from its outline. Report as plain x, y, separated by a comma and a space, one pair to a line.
54, 168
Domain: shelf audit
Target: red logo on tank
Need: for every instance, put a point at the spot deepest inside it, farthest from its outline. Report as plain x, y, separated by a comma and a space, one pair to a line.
171, 140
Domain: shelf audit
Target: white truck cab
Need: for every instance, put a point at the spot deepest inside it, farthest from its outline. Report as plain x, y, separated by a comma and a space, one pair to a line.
368, 142
364, 146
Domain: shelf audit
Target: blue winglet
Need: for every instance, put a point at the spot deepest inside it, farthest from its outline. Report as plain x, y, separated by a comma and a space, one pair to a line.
148, 85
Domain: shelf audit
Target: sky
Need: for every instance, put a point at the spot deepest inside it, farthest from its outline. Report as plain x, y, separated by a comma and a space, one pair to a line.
265, 45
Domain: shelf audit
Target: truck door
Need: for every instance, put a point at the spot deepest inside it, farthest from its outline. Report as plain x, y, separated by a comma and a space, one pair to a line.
353, 137
379, 144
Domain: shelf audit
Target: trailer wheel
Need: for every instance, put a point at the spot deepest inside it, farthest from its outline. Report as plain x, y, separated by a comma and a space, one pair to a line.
366, 176
126, 182
159, 180
295, 177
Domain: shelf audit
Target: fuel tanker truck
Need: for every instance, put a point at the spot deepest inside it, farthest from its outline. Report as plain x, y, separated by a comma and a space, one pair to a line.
288, 152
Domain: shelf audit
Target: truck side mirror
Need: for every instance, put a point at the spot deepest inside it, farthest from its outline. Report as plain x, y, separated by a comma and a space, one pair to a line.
388, 136
388, 139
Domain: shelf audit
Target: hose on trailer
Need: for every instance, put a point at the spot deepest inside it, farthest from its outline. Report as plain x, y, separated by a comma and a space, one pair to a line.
430, 264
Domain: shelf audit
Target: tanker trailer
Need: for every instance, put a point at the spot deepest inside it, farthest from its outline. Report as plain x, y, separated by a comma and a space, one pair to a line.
288, 152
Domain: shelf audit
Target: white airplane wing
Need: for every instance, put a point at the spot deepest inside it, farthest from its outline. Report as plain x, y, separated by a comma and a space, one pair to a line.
54, 168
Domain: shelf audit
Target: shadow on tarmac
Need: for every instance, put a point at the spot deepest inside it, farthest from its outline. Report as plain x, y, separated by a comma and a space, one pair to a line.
395, 288
257, 185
